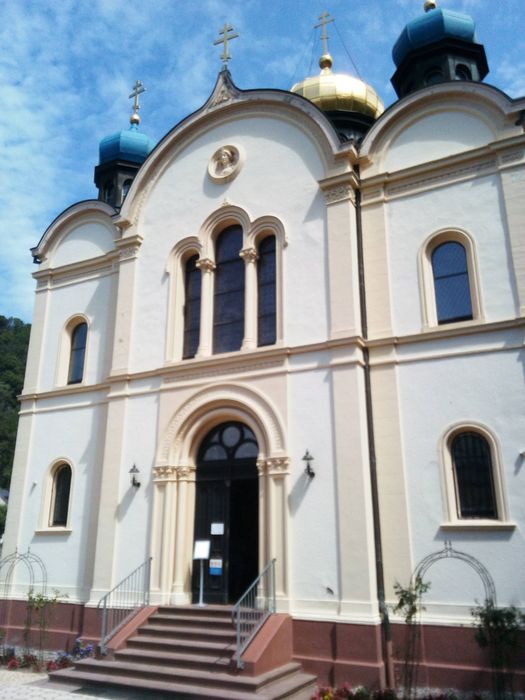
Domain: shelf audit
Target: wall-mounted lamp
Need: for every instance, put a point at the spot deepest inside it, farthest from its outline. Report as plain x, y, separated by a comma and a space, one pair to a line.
308, 469
133, 471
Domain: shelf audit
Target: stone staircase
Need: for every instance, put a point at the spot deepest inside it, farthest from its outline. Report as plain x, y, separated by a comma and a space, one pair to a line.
187, 652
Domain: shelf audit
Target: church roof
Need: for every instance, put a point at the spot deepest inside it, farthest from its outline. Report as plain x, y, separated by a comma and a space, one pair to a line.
339, 91
434, 25
128, 144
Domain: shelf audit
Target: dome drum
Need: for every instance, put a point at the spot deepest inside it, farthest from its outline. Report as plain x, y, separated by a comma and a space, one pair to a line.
442, 61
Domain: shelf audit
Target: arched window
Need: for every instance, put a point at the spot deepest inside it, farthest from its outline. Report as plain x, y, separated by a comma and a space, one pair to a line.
463, 72
228, 307
108, 192
125, 188
61, 488
434, 76
473, 476
77, 353
192, 307
451, 283
266, 292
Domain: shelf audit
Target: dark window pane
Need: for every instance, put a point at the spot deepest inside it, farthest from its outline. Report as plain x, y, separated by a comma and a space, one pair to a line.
247, 450
78, 353
228, 312
215, 452
192, 307
228, 441
474, 480
61, 488
451, 283
266, 293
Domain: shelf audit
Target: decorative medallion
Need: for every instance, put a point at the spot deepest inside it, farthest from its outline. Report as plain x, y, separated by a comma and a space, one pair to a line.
225, 163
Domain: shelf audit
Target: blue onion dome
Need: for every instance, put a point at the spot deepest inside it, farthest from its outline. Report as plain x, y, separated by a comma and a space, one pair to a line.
129, 144
436, 24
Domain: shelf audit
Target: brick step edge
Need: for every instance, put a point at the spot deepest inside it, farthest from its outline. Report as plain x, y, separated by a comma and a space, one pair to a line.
85, 678
156, 658
194, 646
202, 678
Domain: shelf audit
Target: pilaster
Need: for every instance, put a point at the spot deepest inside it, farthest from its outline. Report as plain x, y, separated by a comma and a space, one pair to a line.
249, 255
343, 276
128, 251
207, 268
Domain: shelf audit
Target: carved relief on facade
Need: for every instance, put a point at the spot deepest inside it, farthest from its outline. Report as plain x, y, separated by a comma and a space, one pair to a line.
225, 163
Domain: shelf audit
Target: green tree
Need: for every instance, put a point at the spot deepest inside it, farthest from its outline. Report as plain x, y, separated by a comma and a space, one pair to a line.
14, 340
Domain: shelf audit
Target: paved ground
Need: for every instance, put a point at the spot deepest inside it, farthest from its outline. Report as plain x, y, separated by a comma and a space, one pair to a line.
21, 685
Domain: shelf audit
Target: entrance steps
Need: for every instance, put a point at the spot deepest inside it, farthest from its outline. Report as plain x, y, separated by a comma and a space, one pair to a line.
187, 652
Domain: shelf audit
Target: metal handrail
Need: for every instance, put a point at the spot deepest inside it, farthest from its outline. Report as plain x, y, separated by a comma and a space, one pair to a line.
123, 601
253, 608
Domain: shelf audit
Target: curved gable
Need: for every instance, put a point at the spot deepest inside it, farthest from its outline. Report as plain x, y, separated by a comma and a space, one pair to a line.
226, 105
450, 118
82, 232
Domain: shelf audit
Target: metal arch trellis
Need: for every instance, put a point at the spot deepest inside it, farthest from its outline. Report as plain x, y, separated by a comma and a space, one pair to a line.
37, 579
448, 552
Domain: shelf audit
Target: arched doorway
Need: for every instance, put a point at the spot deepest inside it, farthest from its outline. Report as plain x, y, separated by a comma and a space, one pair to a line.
227, 511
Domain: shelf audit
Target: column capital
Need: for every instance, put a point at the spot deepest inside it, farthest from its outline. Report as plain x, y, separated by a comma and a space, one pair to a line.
273, 466
206, 265
164, 474
249, 255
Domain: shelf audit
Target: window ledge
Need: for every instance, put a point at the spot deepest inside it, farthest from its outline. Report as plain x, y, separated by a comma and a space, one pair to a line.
479, 525
54, 531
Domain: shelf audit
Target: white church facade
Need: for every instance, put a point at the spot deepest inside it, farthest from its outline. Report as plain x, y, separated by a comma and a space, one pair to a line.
281, 278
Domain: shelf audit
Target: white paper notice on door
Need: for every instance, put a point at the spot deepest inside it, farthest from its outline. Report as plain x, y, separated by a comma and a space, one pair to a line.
217, 528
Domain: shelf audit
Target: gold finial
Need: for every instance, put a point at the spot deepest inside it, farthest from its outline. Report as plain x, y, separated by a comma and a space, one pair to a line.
226, 37
430, 5
325, 19
138, 88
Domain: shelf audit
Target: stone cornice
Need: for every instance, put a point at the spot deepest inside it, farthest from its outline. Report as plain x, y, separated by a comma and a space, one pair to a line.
444, 171
103, 264
339, 188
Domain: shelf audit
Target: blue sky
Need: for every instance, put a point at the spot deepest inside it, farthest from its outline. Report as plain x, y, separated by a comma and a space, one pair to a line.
67, 68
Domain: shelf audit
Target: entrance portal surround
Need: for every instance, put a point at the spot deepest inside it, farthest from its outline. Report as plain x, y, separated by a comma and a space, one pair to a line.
174, 478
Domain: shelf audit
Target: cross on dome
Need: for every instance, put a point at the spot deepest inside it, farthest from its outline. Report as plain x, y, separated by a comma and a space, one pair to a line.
227, 36
325, 20
138, 88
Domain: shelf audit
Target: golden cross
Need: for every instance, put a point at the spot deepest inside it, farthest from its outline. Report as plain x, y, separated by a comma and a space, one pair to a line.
226, 37
323, 23
138, 88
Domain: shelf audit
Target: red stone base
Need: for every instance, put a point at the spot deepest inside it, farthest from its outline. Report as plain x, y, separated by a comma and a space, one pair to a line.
450, 657
336, 652
65, 623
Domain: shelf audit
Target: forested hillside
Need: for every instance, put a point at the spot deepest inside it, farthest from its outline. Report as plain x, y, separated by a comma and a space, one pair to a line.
14, 339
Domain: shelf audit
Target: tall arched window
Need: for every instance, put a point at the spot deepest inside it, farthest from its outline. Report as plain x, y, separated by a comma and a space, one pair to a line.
474, 476
451, 283
228, 307
61, 488
266, 292
192, 307
77, 353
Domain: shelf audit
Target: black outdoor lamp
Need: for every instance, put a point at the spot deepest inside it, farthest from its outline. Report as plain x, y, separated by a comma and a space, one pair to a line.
133, 471
308, 469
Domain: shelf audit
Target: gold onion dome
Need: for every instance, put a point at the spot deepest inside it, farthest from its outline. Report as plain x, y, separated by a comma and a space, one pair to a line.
339, 91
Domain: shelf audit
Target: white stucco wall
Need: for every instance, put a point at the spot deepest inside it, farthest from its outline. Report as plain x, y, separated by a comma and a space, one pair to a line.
73, 432
487, 389
428, 137
312, 502
279, 178
94, 299
474, 207
87, 240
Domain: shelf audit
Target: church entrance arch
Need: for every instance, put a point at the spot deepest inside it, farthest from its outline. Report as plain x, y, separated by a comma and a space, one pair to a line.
226, 511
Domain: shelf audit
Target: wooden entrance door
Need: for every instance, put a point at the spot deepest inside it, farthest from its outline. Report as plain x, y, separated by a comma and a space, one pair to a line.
227, 512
